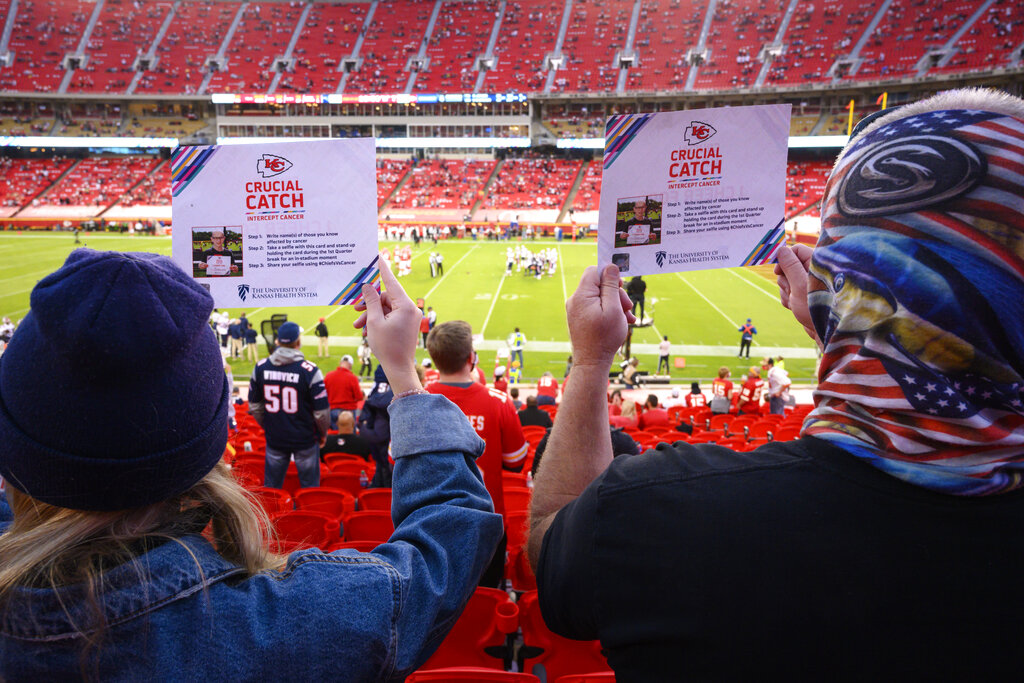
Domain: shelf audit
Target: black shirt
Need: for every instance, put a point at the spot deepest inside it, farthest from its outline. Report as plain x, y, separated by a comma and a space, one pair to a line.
213, 252
534, 416
796, 561
346, 443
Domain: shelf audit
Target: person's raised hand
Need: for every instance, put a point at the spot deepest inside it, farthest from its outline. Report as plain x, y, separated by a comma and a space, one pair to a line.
599, 314
392, 324
791, 269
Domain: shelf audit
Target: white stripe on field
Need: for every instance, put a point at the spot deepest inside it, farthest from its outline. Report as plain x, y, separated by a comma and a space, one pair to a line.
493, 302
710, 303
773, 297
448, 272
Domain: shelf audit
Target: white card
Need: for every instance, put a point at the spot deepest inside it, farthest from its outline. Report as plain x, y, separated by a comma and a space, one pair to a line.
278, 224
696, 189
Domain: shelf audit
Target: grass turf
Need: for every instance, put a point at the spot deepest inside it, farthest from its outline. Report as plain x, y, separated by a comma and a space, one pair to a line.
700, 309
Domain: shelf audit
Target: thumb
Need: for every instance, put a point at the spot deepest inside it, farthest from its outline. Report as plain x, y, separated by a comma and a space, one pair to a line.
609, 286
792, 267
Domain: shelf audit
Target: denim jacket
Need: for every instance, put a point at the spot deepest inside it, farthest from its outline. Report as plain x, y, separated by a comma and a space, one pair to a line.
351, 616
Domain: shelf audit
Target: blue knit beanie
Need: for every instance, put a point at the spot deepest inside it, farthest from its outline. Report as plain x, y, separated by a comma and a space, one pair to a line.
112, 391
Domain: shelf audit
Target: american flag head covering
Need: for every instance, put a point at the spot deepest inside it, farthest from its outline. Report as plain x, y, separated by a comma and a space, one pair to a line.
917, 292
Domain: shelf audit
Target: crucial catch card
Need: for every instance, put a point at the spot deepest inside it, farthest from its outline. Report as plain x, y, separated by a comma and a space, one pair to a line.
279, 224
696, 189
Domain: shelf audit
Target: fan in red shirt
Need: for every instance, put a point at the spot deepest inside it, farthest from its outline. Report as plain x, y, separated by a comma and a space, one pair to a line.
748, 401
430, 374
547, 390
696, 399
653, 416
491, 414
343, 390
500, 383
721, 392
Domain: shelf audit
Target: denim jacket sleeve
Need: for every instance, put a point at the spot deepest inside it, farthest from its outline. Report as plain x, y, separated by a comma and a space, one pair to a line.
445, 528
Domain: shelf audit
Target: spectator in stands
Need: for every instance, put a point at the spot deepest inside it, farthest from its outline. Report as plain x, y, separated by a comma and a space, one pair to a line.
748, 400
500, 383
903, 486
514, 395
532, 415
547, 390
375, 427
721, 392
653, 415
343, 390
287, 398
627, 417
346, 440
104, 570
695, 399
490, 412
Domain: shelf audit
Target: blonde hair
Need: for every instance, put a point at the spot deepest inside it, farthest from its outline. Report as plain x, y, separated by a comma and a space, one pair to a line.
47, 546
628, 409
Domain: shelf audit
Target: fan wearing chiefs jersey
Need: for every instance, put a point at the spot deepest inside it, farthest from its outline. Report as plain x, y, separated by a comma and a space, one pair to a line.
547, 390
748, 401
490, 412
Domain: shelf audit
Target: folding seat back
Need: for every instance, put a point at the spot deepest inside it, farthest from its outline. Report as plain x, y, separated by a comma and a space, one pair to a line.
554, 655
306, 529
369, 525
517, 499
274, 501
375, 499
470, 673
479, 637
334, 502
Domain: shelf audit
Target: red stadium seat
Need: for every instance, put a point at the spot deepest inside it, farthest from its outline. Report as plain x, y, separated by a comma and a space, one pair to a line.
517, 565
335, 502
513, 479
350, 482
361, 546
557, 656
596, 677
347, 466
274, 501
369, 525
470, 673
305, 529
489, 617
375, 499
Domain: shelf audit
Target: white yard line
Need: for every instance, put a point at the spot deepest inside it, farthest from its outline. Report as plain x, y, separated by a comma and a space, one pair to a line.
773, 297
710, 303
561, 270
493, 302
448, 272
44, 271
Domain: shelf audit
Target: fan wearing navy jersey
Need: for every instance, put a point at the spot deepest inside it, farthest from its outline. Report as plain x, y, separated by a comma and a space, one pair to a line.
288, 399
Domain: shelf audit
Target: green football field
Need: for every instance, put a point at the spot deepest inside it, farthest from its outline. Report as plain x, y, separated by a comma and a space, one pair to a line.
698, 311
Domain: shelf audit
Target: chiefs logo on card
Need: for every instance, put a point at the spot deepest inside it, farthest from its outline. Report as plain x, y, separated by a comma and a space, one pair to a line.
270, 165
698, 132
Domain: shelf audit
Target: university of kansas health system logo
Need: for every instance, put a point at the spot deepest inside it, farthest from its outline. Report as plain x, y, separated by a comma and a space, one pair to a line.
659, 256
243, 291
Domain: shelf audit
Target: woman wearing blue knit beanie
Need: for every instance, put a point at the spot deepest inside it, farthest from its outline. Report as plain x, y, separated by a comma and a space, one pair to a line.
129, 551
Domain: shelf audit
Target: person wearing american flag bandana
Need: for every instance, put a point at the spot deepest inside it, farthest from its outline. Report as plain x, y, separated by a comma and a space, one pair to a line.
883, 543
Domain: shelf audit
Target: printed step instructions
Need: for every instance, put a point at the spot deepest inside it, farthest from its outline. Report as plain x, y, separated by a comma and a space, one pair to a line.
696, 189
279, 224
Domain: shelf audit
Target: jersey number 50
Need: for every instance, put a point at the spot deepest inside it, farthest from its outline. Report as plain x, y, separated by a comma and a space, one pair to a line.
281, 398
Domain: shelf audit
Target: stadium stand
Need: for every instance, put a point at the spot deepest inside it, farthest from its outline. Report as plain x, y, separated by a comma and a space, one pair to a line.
738, 31
124, 32
390, 173
23, 179
589, 193
597, 31
444, 184
44, 32
819, 33
805, 182
99, 181
460, 36
575, 120
529, 32
394, 36
153, 190
195, 33
329, 35
532, 184
665, 32
989, 42
262, 35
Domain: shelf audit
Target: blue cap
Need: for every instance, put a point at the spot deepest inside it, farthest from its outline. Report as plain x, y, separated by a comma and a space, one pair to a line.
287, 333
